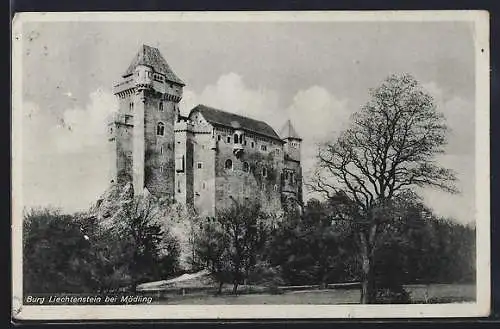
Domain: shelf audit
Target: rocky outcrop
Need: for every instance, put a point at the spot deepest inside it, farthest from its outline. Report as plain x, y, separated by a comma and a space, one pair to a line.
117, 200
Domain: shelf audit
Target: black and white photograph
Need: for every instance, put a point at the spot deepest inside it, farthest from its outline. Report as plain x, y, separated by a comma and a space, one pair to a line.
250, 165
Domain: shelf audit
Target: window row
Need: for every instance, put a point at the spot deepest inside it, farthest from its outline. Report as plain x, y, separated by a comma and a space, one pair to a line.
228, 164
238, 139
131, 106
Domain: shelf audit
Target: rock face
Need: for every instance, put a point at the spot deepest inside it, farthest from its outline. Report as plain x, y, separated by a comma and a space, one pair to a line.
110, 205
176, 219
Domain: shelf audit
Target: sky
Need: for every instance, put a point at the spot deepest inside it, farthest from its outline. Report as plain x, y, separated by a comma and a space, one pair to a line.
314, 73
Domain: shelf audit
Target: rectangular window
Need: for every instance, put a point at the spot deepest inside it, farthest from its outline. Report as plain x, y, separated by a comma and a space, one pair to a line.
263, 147
179, 163
252, 144
199, 165
228, 139
218, 138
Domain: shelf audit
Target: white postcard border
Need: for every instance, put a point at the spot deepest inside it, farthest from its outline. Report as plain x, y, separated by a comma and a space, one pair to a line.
481, 307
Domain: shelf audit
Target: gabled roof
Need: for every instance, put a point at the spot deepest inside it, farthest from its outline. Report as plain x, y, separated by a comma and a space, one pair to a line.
152, 57
231, 120
288, 131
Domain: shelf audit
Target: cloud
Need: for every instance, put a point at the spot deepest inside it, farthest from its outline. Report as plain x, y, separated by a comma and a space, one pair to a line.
316, 114
460, 155
460, 207
79, 129
66, 159
230, 93
460, 118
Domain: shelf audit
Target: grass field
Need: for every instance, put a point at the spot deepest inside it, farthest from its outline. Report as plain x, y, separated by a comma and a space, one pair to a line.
435, 293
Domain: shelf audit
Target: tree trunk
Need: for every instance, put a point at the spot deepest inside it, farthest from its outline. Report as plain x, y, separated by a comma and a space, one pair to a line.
323, 284
367, 284
220, 288
235, 287
367, 278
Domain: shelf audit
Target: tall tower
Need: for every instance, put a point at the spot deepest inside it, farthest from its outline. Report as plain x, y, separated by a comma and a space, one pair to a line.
291, 182
142, 130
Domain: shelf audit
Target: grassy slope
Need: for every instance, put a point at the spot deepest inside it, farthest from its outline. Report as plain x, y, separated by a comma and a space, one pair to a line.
419, 294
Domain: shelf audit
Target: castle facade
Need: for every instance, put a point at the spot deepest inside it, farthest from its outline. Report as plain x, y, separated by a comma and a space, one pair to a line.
206, 159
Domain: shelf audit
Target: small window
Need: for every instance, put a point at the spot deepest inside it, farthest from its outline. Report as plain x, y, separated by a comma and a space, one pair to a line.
179, 163
204, 185
228, 164
264, 172
252, 144
161, 149
161, 168
160, 129
246, 167
245, 142
218, 138
236, 138
263, 147
275, 188
131, 106
160, 107
199, 165
228, 139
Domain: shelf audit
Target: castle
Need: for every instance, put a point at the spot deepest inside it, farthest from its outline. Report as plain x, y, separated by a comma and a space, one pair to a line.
206, 159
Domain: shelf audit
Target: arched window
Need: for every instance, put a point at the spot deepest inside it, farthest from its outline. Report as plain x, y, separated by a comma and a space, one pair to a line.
160, 107
246, 167
236, 139
228, 164
160, 129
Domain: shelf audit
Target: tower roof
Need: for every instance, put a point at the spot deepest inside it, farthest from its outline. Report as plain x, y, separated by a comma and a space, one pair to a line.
288, 131
231, 120
152, 57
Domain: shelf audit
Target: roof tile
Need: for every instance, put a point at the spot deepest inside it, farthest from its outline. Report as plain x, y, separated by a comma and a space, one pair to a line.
152, 57
231, 120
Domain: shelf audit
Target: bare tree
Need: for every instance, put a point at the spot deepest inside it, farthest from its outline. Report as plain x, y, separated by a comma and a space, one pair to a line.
389, 148
230, 242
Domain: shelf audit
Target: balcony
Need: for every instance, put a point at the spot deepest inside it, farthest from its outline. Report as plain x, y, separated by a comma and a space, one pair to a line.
237, 149
124, 85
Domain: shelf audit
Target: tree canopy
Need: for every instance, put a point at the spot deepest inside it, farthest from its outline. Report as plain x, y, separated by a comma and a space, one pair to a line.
389, 149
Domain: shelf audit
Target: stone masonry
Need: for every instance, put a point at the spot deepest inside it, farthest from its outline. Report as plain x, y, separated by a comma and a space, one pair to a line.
207, 159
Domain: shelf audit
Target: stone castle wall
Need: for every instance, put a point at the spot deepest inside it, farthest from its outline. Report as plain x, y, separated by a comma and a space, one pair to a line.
159, 166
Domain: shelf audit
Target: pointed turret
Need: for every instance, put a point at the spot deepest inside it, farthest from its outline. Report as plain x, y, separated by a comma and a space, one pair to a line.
289, 132
151, 57
148, 95
292, 142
